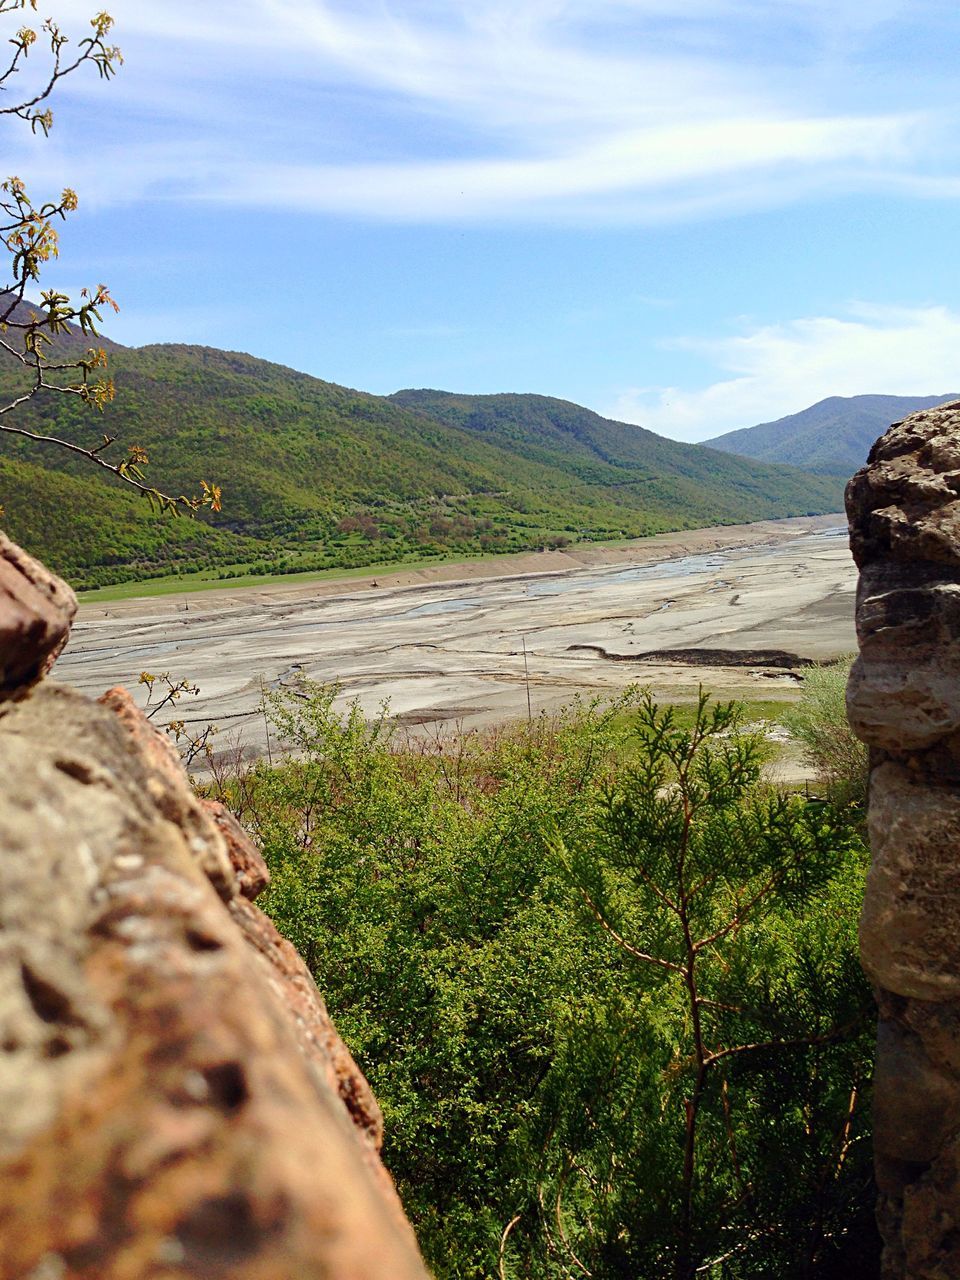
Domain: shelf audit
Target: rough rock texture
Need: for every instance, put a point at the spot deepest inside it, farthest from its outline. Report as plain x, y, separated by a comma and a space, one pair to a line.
252, 873
174, 1100
904, 702
36, 610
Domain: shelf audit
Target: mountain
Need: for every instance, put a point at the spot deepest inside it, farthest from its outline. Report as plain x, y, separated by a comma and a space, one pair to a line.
661, 477
316, 475
832, 437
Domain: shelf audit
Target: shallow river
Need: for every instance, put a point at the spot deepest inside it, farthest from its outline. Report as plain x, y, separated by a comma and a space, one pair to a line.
454, 651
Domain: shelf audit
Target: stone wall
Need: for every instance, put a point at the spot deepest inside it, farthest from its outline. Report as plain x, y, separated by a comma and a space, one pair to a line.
904, 702
174, 1100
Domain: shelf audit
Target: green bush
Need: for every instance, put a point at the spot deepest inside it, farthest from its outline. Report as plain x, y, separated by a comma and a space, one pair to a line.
738, 1044
417, 881
819, 722
464, 902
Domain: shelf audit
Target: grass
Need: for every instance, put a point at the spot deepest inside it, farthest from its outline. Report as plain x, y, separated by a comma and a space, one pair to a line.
770, 710
208, 580
754, 709
212, 579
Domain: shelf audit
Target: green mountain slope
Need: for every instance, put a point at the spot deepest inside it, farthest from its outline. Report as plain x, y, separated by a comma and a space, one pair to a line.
832, 437
316, 475
666, 479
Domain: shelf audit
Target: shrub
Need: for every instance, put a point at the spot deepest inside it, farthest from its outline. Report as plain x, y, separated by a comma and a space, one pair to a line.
464, 902
738, 1043
819, 722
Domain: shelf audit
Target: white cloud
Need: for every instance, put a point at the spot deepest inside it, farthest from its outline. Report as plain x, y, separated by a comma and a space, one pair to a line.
780, 369
586, 110
646, 162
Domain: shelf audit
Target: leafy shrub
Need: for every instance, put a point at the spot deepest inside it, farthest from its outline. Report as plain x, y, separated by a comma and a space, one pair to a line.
463, 902
819, 722
738, 1044
416, 879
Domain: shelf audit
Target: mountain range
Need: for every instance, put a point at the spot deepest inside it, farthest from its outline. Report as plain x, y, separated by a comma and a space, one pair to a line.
832, 437
316, 475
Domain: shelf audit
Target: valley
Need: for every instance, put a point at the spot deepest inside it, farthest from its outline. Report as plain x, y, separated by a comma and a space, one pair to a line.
320, 477
740, 610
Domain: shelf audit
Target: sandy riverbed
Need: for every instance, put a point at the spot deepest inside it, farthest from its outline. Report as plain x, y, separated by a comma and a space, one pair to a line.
445, 644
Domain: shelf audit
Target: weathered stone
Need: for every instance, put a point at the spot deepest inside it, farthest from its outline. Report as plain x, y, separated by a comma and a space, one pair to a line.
904, 690
904, 702
904, 503
291, 979
251, 872
170, 792
909, 943
937, 1024
928, 1240
163, 1113
36, 610
916, 1105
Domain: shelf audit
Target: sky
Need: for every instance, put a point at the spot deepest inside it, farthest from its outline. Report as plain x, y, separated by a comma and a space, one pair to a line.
695, 215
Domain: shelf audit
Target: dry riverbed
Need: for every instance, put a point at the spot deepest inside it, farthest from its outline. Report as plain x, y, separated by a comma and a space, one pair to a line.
739, 609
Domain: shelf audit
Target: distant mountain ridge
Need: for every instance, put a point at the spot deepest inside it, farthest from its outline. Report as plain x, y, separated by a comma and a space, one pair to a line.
832, 437
317, 476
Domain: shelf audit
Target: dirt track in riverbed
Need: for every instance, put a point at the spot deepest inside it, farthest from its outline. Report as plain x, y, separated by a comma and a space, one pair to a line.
452, 650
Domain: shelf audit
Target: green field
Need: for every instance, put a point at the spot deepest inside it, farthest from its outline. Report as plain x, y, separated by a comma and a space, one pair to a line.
208, 581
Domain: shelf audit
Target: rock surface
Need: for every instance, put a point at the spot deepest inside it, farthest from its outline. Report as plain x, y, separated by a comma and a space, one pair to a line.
36, 610
174, 1100
904, 702
252, 873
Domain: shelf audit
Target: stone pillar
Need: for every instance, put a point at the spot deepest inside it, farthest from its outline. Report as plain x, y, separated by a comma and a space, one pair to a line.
903, 700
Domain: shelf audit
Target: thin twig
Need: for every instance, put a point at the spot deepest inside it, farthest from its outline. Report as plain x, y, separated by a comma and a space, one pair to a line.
503, 1244
628, 947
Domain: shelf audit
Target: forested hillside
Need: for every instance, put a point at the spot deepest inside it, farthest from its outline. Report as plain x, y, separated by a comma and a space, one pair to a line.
316, 475
658, 474
832, 437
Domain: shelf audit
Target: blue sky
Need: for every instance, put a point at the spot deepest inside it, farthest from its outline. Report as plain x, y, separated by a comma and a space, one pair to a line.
691, 214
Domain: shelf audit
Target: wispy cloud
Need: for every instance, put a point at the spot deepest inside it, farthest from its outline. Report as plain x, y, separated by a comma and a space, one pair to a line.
617, 110
642, 162
780, 369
